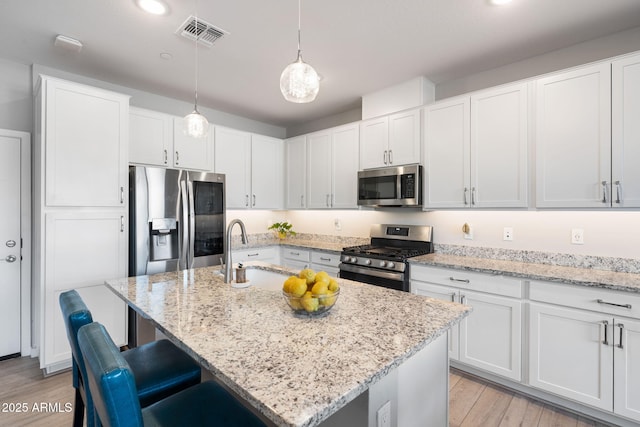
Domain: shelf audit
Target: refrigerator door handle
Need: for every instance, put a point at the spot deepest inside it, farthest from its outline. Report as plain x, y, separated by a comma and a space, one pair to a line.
192, 224
185, 226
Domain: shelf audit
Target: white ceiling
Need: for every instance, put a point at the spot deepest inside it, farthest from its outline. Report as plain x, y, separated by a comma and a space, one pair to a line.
358, 46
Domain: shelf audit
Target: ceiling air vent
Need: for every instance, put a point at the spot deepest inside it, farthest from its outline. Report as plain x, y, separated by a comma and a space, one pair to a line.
205, 33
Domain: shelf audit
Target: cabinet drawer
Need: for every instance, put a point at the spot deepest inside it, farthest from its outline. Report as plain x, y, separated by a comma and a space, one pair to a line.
490, 283
257, 254
614, 302
296, 254
331, 260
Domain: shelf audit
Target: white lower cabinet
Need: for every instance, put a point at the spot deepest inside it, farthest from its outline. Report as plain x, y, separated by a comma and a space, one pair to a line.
585, 346
268, 254
324, 261
490, 338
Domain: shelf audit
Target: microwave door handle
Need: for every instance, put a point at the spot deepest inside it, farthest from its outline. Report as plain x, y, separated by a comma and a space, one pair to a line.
192, 223
185, 226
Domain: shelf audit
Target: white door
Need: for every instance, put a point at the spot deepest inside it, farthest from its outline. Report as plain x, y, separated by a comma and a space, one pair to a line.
319, 170
10, 245
345, 164
267, 184
404, 138
296, 152
374, 143
626, 341
233, 158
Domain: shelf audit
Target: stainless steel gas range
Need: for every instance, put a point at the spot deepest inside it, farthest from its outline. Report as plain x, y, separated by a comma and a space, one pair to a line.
385, 261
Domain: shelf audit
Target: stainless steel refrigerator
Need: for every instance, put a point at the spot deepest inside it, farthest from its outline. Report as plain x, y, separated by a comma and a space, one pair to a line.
177, 219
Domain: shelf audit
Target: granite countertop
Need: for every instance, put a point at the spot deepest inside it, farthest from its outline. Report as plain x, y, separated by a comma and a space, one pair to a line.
295, 371
614, 280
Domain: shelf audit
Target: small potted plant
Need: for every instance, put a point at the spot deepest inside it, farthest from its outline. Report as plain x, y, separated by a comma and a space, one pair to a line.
282, 229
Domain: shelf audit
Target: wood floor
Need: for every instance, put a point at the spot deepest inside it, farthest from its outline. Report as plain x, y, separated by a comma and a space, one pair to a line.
45, 401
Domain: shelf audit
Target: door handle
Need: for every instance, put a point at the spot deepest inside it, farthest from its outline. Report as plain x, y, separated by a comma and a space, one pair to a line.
618, 192
177, 157
166, 157
122, 223
621, 326
464, 196
9, 258
384, 157
390, 157
473, 196
606, 329
605, 188
600, 301
121, 195
254, 200
453, 297
453, 279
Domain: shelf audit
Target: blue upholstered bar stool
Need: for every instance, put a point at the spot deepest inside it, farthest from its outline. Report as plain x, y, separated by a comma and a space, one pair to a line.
113, 388
159, 368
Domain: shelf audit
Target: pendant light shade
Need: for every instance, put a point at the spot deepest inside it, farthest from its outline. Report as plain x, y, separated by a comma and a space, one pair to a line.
195, 124
299, 82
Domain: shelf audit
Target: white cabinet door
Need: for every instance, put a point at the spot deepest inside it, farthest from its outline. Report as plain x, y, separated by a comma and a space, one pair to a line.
499, 147
319, 170
625, 132
345, 142
573, 138
296, 153
86, 144
189, 152
233, 158
568, 355
150, 137
446, 159
267, 184
83, 249
443, 293
374, 142
490, 337
404, 138
626, 341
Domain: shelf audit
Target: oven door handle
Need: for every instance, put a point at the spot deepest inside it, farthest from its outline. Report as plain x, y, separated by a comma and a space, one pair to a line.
392, 275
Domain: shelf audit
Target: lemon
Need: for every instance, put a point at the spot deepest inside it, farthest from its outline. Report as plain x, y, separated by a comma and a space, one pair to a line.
287, 283
297, 287
333, 285
309, 303
328, 299
322, 276
295, 303
308, 274
319, 288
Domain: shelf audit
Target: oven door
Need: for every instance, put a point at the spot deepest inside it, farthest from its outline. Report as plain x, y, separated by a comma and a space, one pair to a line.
372, 276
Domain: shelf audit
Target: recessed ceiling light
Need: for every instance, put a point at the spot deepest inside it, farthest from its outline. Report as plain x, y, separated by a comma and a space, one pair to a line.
166, 56
155, 7
499, 2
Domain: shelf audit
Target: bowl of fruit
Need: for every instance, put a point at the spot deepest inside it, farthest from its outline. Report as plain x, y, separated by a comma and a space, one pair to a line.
311, 294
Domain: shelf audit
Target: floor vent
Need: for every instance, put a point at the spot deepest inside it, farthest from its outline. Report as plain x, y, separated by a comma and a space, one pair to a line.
205, 33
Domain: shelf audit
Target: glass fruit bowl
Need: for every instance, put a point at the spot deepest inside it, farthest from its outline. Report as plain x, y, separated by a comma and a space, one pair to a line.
310, 305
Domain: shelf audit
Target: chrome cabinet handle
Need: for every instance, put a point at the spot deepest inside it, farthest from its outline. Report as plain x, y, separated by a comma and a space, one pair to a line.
453, 279
604, 192
246, 200
122, 223
9, 258
10, 243
253, 254
294, 253
600, 301
463, 298
464, 195
385, 157
326, 200
453, 297
621, 326
302, 201
254, 200
618, 192
390, 157
177, 157
166, 156
325, 259
606, 328
473, 196
121, 194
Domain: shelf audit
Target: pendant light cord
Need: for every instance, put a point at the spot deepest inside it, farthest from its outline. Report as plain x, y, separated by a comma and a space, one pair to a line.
299, 29
195, 106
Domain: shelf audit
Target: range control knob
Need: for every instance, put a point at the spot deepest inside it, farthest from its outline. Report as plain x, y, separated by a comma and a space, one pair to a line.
391, 264
354, 259
383, 263
367, 262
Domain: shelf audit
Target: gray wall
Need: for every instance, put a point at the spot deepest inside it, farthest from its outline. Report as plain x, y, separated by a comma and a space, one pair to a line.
350, 116
16, 100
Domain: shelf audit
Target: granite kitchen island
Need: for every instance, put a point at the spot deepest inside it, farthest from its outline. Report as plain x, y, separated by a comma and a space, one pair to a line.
375, 346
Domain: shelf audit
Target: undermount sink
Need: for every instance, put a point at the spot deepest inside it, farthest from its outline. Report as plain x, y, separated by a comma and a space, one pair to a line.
265, 279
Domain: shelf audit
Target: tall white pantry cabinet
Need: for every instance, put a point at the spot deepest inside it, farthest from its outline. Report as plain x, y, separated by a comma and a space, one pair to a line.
80, 209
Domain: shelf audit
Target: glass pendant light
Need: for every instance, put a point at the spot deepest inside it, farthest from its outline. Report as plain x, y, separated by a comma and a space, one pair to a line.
195, 124
299, 82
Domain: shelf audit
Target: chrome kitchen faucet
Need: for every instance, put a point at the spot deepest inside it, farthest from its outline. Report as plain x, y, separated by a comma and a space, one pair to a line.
228, 268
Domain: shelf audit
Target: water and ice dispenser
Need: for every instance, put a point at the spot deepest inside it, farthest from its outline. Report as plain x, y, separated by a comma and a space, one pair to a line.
164, 241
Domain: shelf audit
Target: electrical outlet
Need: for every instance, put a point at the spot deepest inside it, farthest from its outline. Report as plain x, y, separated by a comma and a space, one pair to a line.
507, 233
337, 224
467, 231
384, 415
577, 236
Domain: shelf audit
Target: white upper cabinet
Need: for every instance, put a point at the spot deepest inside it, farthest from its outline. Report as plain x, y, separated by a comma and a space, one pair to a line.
253, 168
267, 182
85, 141
296, 166
573, 138
625, 142
189, 152
390, 140
446, 162
158, 139
332, 168
499, 145
476, 150
150, 137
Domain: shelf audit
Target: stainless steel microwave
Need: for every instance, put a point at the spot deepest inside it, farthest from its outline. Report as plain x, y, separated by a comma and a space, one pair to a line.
394, 186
